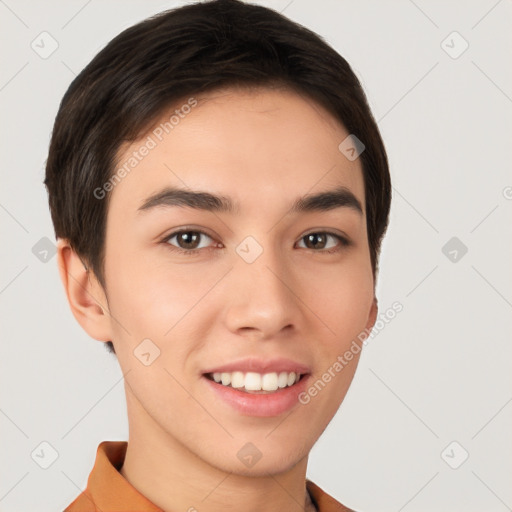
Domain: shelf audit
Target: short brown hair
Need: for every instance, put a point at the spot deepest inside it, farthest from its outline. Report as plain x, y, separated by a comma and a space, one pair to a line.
192, 49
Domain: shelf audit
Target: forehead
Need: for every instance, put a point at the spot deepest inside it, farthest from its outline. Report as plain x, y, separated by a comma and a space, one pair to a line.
258, 145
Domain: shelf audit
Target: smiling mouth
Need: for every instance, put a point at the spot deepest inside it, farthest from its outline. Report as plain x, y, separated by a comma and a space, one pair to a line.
256, 383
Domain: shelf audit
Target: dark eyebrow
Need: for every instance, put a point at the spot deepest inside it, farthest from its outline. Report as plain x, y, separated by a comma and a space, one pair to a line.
328, 200
321, 201
192, 199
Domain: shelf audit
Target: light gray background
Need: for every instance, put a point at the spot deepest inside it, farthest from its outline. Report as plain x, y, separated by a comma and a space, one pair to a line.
439, 372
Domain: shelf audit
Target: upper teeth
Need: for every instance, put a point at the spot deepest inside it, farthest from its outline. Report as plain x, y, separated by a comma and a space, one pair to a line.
252, 381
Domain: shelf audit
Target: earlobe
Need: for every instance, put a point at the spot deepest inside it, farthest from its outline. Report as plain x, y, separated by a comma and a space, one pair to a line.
85, 294
372, 317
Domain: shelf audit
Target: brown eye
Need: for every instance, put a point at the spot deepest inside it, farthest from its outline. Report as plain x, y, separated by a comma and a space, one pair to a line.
316, 240
188, 241
319, 242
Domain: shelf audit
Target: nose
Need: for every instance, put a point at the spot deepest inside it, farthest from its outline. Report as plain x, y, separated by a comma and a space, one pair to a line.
264, 296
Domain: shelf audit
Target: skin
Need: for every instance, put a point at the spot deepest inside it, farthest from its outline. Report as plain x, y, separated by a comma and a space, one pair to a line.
293, 301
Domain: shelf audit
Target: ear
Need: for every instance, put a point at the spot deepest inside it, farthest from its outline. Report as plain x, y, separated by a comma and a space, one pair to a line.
86, 297
372, 316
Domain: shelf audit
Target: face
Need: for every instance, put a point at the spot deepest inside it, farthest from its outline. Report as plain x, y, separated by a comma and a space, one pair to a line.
270, 293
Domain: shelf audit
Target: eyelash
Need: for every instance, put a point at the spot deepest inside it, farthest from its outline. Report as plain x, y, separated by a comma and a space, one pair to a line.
192, 252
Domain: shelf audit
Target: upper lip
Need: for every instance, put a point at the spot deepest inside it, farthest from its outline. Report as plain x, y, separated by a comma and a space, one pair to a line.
258, 365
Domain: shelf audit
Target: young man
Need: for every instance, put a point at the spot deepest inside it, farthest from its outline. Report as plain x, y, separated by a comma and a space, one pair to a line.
219, 191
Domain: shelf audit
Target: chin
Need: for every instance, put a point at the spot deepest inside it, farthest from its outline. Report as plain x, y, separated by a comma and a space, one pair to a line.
259, 459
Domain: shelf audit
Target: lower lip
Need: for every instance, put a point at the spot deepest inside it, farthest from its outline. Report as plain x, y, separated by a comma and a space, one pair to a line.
262, 405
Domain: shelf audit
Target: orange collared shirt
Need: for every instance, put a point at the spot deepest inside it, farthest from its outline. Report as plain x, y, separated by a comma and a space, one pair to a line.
108, 491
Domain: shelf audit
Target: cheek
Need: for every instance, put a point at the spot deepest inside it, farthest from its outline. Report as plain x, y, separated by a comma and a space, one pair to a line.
342, 300
155, 299
140, 286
